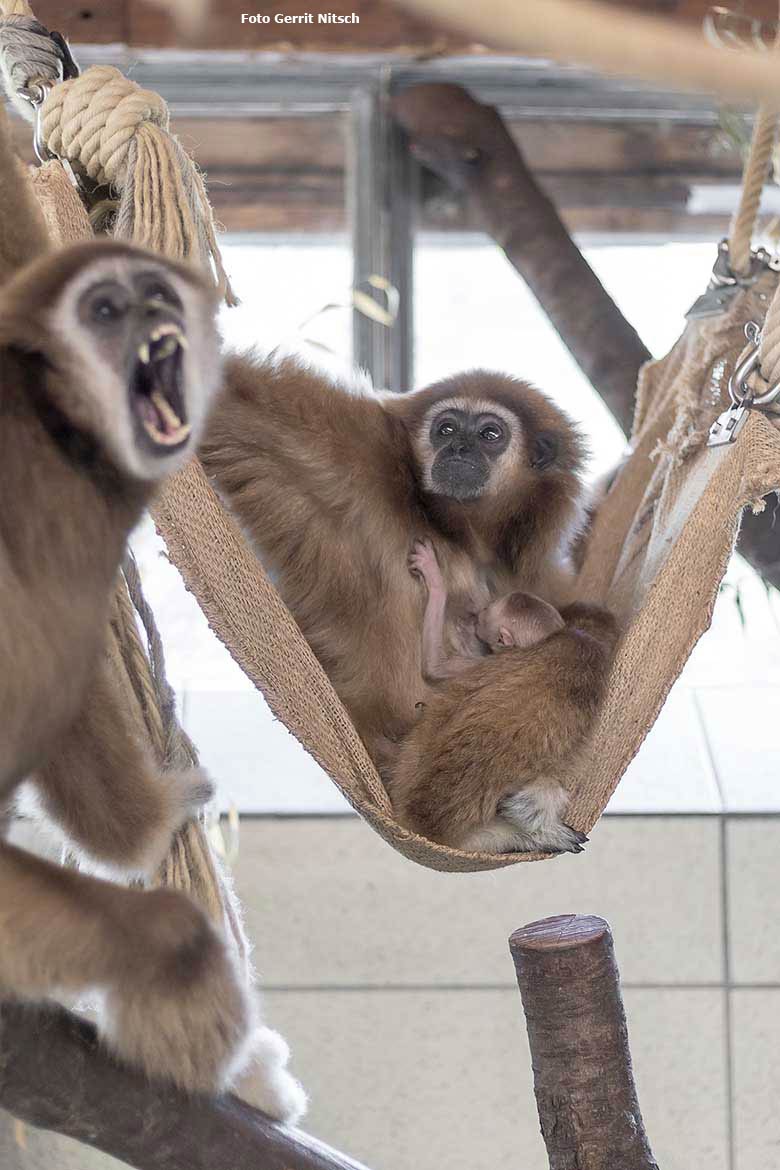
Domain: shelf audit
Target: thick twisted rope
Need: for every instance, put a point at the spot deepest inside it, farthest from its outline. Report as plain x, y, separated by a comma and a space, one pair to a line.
742, 229
94, 119
28, 56
119, 136
190, 865
743, 223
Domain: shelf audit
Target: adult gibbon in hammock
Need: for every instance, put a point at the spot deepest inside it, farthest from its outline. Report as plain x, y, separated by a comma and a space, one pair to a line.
333, 486
109, 359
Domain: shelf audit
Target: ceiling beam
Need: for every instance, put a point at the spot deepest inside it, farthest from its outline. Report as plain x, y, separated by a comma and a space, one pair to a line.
383, 26
289, 174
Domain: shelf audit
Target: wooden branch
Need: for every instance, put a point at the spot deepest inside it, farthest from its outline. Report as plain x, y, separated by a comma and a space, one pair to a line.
584, 1086
610, 40
54, 1075
759, 541
468, 145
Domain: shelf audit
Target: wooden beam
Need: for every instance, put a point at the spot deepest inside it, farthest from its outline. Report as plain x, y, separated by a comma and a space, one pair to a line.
288, 174
85, 21
55, 1075
383, 27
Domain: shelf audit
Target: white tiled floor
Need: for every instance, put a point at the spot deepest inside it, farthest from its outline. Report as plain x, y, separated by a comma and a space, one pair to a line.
395, 989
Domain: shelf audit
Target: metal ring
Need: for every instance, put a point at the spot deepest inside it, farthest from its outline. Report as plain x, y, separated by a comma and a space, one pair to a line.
740, 391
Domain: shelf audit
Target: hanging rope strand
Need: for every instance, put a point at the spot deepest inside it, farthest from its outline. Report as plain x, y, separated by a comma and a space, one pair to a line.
743, 223
119, 135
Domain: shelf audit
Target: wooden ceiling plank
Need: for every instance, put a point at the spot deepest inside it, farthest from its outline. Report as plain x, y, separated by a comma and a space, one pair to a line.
85, 21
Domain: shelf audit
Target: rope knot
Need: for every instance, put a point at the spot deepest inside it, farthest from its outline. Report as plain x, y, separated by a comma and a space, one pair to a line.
96, 117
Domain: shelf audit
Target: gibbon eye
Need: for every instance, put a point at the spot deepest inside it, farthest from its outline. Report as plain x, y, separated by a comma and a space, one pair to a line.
158, 292
490, 433
446, 428
104, 310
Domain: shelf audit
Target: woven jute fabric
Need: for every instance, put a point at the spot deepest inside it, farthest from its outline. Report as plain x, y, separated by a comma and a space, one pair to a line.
656, 556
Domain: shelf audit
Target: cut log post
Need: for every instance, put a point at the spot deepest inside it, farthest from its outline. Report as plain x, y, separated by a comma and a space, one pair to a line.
468, 145
584, 1085
55, 1075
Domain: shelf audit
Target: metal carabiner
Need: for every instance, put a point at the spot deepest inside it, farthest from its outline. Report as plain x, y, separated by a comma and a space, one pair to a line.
740, 391
35, 96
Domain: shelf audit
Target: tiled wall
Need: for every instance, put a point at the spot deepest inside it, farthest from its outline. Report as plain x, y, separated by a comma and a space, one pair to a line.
395, 989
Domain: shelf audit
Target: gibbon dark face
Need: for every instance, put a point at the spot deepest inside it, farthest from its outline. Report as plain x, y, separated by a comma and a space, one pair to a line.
130, 350
465, 445
139, 324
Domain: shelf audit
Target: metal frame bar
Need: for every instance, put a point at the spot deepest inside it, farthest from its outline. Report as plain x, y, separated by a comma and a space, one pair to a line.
382, 184
226, 84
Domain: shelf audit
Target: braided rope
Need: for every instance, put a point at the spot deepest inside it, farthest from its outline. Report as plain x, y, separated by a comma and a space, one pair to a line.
15, 8
118, 135
94, 119
753, 181
190, 865
28, 56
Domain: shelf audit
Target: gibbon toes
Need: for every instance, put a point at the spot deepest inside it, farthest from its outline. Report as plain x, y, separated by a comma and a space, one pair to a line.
186, 793
533, 815
180, 1011
191, 789
559, 838
268, 1084
578, 840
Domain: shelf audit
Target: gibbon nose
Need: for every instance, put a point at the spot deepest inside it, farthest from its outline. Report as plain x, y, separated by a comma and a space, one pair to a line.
461, 447
152, 310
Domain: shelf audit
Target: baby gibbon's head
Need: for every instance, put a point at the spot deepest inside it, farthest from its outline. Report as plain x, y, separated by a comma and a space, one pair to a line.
517, 621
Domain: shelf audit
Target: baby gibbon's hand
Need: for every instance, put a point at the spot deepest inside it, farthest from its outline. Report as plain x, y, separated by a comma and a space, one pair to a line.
423, 563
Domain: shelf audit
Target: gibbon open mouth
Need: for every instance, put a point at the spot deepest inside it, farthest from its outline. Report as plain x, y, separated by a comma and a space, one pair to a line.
156, 387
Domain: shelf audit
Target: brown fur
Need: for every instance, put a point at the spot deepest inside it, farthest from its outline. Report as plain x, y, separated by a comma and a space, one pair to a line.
527, 619
328, 486
72, 484
510, 721
103, 788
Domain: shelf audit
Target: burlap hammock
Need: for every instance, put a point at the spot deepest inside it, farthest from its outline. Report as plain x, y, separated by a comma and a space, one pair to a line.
659, 547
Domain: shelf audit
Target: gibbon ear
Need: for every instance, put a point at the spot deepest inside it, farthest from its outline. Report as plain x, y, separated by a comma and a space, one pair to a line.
545, 451
505, 636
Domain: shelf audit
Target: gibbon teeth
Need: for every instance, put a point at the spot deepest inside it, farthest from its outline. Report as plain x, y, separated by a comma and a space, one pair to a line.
169, 330
144, 353
166, 349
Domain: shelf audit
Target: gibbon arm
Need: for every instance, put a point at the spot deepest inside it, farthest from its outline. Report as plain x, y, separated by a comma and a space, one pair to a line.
102, 786
23, 234
437, 664
289, 447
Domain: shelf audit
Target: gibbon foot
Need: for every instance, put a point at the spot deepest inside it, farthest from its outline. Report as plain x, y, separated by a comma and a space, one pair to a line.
178, 1009
268, 1084
187, 792
533, 819
580, 840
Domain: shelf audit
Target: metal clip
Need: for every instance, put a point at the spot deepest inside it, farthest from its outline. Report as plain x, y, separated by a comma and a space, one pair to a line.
35, 95
728, 425
725, 284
